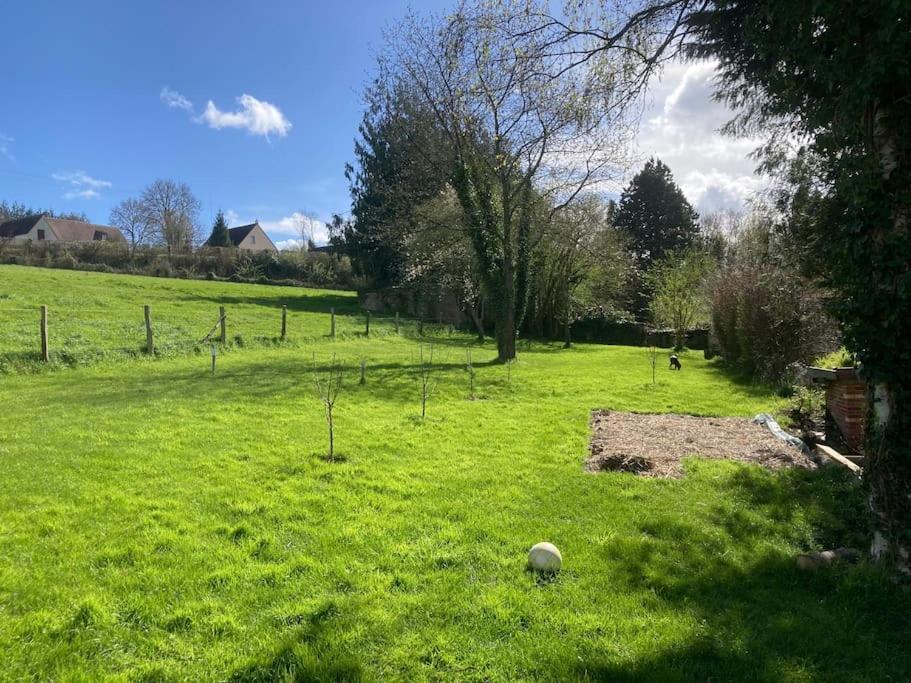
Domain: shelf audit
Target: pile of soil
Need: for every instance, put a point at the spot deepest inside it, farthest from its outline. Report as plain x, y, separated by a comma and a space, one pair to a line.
652, 445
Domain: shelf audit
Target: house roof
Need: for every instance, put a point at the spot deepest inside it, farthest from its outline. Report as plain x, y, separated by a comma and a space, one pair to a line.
65, 230
240, 233
78, 231
19, 226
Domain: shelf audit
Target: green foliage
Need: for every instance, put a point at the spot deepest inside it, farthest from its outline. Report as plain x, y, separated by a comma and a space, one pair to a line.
581, 266
512, 112
13, 210
318, 269
247, 267
807, 408
164, 524
656, 215
678, 291
840, 358
220, 236
400, 163
835, 75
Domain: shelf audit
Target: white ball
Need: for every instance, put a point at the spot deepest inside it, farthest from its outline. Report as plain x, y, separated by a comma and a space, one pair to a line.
544, 557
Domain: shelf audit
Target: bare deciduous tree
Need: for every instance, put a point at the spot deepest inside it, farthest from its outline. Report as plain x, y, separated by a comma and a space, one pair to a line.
469, 368
652, 352
131, 217
328, 384
304, 224
425, 372
172, 211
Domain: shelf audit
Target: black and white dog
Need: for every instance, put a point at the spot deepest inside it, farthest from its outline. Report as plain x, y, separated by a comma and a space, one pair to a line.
675, 363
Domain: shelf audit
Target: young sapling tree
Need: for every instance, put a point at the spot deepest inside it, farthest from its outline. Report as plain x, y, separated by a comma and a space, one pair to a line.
651, 352
428, 384
328, 386
469, 368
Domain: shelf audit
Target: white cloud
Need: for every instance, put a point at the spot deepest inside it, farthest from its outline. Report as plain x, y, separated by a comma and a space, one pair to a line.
232, 217
5, 142
174, 100
290, 226
681, 127
256, 116
289, 245
80, 185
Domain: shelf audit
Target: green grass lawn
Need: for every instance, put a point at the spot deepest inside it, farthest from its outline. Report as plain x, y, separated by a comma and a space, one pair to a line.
158, 523
95, 317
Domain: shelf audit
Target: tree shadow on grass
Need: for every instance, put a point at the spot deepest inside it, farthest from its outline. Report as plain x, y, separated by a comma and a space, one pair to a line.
295, 300
739, 378
308, 655
290, 377
755, 615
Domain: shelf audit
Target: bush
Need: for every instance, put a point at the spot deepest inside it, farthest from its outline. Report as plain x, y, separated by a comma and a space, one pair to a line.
766, 316
807, 409
220, 264
66, 261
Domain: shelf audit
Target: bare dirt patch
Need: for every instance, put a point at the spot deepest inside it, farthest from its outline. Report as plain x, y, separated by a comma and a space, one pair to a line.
652, 445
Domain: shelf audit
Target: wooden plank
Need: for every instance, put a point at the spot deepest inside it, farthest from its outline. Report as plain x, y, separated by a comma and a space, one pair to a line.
823, 374
837, 457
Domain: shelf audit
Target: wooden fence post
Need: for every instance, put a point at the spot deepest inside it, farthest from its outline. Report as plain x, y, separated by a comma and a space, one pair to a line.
396, 322
222, 321
367, 329
284, 321
363, 370
45, 355
332, 323
150, 340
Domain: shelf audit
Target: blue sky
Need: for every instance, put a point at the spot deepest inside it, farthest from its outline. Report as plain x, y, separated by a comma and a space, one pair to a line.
82, 86
103, 97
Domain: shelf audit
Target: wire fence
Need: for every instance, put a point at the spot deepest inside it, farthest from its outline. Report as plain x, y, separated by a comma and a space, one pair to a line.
76, 334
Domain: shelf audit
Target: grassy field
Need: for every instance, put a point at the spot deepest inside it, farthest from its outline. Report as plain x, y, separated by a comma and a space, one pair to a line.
158, 523
95, 317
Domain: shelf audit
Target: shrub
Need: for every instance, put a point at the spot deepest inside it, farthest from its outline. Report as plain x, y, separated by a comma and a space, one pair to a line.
807, 409
66, 261
221, 264
766, 316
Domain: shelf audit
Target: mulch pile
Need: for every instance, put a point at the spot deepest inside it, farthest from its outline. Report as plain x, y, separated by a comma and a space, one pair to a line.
652, 445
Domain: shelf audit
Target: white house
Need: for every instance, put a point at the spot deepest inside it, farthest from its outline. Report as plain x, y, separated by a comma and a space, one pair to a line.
38, 228
251, 237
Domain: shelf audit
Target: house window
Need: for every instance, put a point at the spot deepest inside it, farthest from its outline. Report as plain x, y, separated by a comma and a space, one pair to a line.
100, 236
40, 235
252, 239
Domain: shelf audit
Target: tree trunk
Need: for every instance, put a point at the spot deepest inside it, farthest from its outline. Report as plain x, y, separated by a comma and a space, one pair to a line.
506, 315
887, 432
506, 338
887, 473
477, 319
